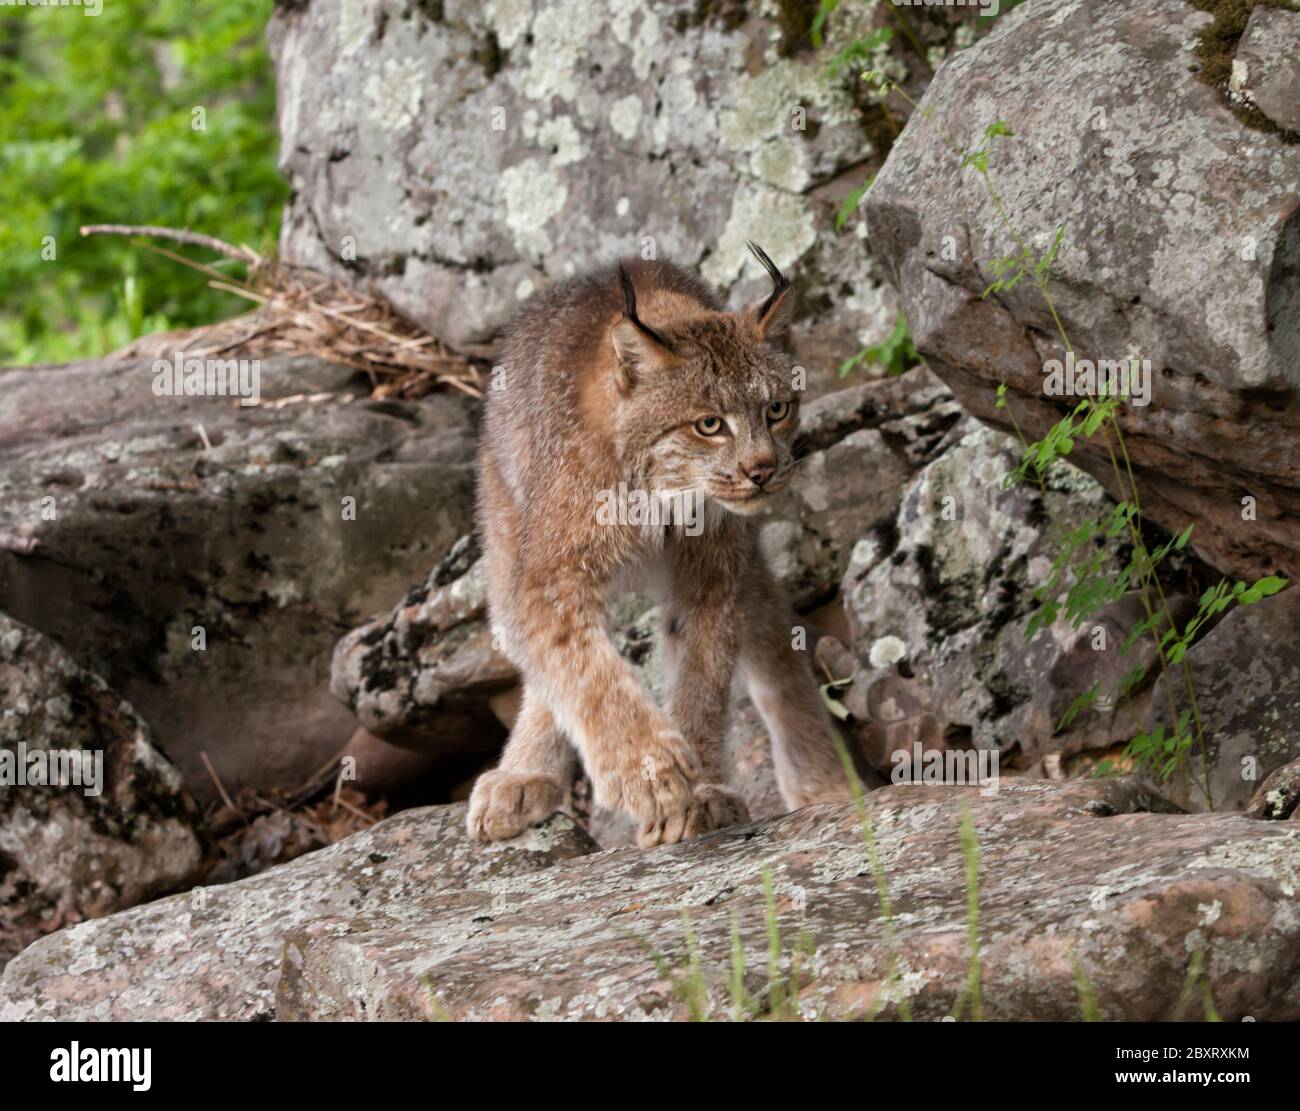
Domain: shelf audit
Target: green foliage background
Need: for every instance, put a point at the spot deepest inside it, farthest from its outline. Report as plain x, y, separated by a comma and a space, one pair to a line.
95, 127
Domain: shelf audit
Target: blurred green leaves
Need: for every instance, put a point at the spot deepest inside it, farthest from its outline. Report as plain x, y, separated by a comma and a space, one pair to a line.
96, 126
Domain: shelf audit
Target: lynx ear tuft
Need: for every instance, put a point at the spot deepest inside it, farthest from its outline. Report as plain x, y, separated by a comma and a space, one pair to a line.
638, 348
771, 316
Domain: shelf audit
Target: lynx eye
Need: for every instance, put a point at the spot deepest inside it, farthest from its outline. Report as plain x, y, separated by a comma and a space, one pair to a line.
778, 411
709, 426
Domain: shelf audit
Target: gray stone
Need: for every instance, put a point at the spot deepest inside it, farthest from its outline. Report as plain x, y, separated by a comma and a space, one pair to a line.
872, 437
1246, 675
93, 817
216, 952
596, 130
1266, 67
1278, 796
424, 676
408, 920
1182, 244
121, 530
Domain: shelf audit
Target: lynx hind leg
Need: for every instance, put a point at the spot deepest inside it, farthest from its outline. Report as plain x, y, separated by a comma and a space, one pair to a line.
780, 681
530, 783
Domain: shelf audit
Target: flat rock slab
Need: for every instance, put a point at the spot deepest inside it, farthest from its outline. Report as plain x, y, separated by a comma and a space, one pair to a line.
215, 953
408, 920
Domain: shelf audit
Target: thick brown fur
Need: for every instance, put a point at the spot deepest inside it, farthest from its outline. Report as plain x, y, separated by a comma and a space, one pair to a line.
636, 379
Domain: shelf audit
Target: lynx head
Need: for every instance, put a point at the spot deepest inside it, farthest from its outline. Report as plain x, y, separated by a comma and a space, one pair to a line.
707, 402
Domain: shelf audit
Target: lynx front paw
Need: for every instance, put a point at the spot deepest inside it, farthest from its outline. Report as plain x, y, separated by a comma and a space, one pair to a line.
710, 807
504, 804
651, 781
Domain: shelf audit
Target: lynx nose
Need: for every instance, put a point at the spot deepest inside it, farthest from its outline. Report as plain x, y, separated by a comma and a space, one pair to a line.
760, 473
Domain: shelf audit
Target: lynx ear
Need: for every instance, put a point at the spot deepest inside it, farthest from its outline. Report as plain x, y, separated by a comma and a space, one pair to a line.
771, 316
638, 348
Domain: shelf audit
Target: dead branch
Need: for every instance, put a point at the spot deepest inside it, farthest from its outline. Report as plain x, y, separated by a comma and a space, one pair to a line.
179, 235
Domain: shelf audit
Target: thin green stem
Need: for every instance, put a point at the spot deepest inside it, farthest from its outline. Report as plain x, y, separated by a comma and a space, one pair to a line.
971, 854
1186, 668
892, 978
909, 33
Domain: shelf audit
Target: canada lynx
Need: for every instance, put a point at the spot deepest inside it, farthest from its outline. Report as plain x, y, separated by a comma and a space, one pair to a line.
636, 381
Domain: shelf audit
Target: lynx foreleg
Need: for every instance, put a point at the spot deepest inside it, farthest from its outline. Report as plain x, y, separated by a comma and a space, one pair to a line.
637, 759
530, 782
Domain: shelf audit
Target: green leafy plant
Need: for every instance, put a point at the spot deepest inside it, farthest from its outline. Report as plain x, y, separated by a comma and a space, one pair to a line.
860, 51
896, 353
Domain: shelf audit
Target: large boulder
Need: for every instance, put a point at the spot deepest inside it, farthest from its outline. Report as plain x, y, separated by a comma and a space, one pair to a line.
597, 130
1181, 245
203, 556
409, 920
93, 817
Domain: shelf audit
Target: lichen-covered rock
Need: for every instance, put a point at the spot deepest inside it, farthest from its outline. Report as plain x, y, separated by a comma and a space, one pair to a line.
1266, 67
409, 920
1181, 245
946, 592
216, 952
871, 439
1278, 796
598, 129
425, 674
204, 556
1246, 677
93, 818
